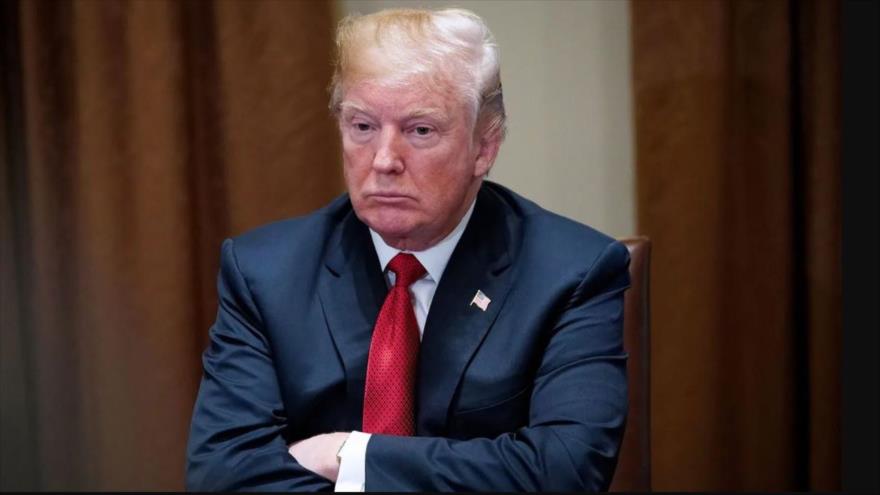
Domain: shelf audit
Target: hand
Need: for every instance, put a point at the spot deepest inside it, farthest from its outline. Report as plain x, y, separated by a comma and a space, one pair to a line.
318, 453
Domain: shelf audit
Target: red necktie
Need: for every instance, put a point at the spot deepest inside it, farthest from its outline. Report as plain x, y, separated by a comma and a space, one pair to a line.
389, 395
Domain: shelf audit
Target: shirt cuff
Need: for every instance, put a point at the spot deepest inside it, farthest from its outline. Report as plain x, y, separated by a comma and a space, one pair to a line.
352, 466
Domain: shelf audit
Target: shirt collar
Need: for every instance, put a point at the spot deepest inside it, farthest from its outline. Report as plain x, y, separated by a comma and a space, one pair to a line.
435, 258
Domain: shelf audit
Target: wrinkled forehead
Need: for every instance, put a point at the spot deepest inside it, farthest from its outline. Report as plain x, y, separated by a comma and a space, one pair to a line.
399, 98
429, 94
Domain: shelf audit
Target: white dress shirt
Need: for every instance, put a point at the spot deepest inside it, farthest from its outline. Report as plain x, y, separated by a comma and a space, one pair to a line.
352, 467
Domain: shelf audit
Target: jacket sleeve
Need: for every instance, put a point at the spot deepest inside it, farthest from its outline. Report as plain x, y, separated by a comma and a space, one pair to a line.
577, 410
236, 437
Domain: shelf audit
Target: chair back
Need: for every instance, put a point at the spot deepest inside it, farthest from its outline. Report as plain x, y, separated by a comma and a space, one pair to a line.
633, 472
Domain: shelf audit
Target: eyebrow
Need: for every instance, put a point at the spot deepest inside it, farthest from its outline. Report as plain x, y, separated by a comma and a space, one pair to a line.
432, 113
347, 108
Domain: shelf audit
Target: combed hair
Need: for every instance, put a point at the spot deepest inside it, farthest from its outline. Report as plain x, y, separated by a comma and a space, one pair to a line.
451, 44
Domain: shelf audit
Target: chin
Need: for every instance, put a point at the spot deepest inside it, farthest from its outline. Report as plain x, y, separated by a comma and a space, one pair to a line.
389, 224
390, 231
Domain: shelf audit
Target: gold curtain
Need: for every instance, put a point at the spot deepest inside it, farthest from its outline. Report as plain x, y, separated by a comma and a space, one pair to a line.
737, 125
136, 136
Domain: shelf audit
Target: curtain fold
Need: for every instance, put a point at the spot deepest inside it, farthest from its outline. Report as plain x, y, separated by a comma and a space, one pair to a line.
138, 134
737, 138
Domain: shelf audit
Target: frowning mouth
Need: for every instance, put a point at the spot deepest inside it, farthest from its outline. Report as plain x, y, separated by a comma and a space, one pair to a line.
389, 198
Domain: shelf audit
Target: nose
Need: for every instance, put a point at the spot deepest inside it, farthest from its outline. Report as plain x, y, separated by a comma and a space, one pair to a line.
388, 159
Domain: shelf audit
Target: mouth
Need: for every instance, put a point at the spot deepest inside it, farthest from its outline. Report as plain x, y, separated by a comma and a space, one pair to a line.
389, 198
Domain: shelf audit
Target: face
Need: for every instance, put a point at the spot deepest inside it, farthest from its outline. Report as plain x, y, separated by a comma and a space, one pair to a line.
412, 163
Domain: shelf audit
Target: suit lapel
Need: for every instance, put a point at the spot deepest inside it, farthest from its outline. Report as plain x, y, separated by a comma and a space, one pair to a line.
351, 291
455, 327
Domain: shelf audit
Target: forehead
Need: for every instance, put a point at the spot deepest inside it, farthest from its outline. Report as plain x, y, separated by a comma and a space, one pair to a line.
405, 96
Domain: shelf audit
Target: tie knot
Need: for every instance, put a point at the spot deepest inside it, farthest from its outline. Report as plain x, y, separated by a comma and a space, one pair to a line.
406, 268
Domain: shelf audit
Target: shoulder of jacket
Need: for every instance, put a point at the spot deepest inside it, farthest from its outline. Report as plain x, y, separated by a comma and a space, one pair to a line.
292, 233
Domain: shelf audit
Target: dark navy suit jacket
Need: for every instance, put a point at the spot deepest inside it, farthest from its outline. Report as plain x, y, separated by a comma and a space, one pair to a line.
529, 394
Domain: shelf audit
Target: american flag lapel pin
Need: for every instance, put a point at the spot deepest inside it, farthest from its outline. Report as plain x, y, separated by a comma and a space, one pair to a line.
480, 300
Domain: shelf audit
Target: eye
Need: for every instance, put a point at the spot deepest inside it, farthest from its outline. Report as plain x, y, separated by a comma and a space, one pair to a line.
361, 127
422, 130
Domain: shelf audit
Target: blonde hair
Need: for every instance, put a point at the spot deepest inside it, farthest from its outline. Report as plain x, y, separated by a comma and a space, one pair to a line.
451, 44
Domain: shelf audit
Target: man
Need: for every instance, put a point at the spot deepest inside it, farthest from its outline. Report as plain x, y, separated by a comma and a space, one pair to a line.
429, 330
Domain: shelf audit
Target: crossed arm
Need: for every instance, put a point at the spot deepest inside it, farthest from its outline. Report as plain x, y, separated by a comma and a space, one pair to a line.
576, 415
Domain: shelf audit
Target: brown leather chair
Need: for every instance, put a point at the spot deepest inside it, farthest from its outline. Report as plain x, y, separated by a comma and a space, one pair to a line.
634, 464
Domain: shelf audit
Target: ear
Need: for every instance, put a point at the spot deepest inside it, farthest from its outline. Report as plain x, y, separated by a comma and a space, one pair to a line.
487, 150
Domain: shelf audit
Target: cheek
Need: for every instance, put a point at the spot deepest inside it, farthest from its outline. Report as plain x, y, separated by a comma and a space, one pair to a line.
451, 172
355, 162
446, 182
353, 178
